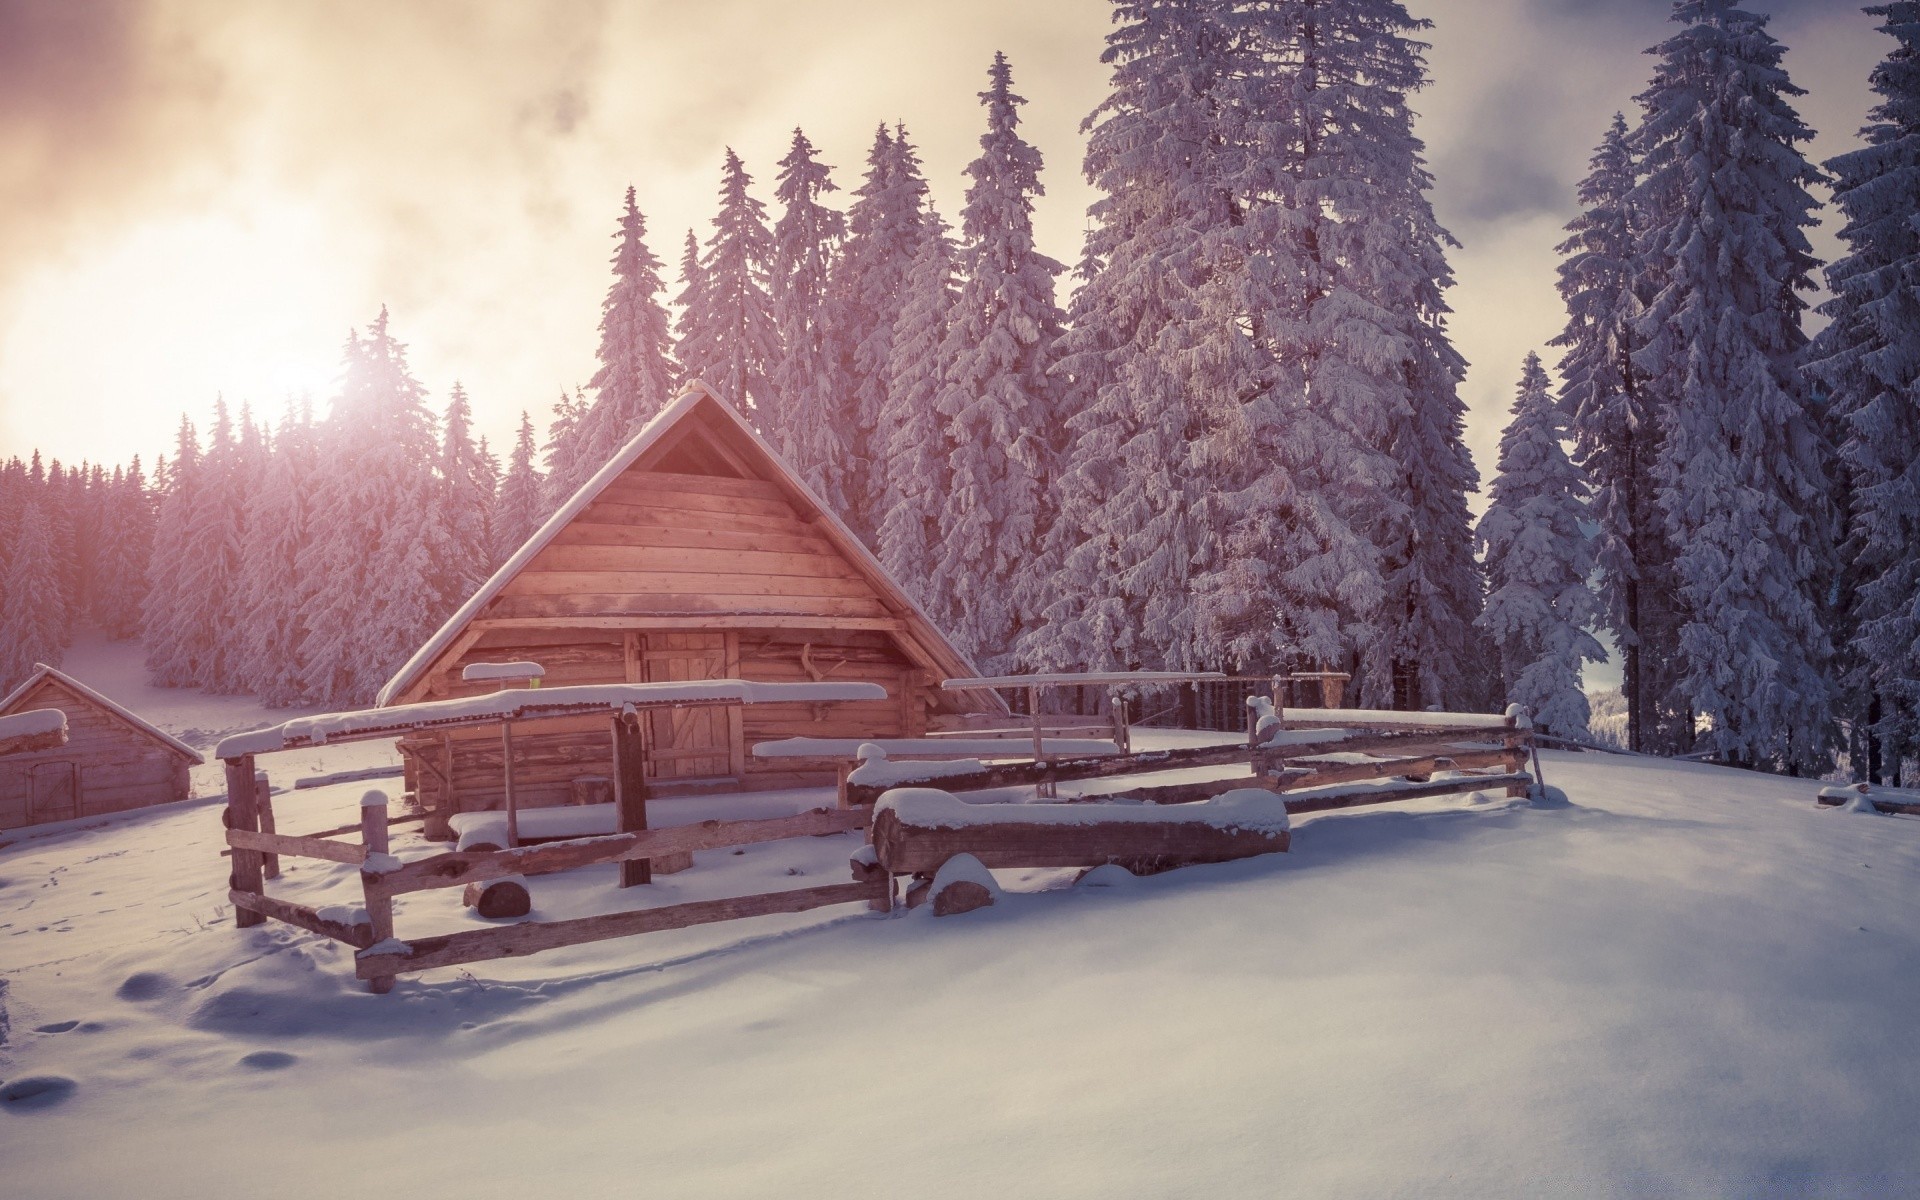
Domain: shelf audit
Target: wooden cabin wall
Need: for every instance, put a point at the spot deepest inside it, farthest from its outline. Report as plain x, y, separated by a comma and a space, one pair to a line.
117, 767
550, 755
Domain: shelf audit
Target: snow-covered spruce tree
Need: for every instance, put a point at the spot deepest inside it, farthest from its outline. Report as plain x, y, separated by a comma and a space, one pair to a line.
1371, 333
910, 432
466, 501
560, 453
379, 533
126, 548
1135, 519
727, 334
865, 297
803, 415
169, 649
1869, 360
636, 376
1741, 478
33, 624
518, 510
1001, 406
1617, 438
1539, 557
692, 307
208, 619
272, 591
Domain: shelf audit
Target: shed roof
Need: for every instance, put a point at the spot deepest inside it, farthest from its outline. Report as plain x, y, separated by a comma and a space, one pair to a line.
698, 400
15, 700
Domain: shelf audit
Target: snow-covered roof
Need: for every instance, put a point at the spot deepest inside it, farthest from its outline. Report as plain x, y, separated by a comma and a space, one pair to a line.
921, 626
42, 671
528, 703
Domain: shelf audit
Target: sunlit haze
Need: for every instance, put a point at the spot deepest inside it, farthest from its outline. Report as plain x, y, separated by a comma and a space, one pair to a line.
201, 199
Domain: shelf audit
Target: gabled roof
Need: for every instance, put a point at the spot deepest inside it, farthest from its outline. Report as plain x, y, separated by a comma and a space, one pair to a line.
43, 673
697, 398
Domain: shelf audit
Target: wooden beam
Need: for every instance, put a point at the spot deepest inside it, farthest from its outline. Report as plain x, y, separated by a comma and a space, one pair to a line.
1405, 791
263, 808
26, 743
1023, 774
373, 836
1889, 807
630, 790
1143, 847
298, 847
458, 868
242, 814
358, 935
715, 621
531, 937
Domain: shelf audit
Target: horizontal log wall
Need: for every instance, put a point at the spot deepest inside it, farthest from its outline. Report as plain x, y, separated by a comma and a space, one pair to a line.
119, 766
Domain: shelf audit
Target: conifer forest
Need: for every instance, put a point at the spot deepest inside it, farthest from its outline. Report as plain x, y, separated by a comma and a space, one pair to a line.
1228, 436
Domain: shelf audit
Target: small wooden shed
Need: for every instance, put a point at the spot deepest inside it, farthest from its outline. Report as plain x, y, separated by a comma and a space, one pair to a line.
695, 553
113, 760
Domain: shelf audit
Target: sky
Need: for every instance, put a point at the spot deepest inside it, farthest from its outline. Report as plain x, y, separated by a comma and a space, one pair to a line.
200, 198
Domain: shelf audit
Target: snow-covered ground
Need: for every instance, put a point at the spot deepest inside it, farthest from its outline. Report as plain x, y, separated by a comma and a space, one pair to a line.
1690, 982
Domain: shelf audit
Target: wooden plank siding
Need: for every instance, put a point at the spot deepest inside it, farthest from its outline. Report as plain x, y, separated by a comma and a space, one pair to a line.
108, 765
702, 558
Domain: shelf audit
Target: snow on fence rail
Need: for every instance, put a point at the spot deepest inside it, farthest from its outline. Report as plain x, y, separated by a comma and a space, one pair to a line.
530, 704
924, 833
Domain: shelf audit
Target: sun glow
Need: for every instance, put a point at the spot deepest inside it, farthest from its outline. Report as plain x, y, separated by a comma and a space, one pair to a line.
163, 317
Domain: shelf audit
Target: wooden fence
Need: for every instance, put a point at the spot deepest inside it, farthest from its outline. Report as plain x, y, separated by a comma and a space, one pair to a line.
382, 955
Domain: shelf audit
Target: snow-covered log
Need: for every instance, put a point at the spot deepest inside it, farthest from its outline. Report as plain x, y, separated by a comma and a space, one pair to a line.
36, 729
915, 830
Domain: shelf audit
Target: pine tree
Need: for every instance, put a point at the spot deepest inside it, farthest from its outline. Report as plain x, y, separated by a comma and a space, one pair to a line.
885, 231
1372, 335
727, 334
163, 626
691, 304
125, 550
1869, 360
518, 511
1001, 407
271, 589
1617, 438
803, 417
379, 532
636, 378
911, 435
33, 623
466, 498
561, 453
1539, 558
1147, 354
1741, 480
209, 616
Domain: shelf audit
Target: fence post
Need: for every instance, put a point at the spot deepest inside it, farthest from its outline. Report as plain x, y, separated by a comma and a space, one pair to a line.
263, 808
1516, 761
373, 834
242, 813
630, 788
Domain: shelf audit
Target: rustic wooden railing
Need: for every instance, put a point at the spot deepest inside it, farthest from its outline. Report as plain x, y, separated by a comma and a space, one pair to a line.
384, 879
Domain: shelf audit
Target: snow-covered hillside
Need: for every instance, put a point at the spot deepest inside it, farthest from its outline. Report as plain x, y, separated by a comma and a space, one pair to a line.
1690, 982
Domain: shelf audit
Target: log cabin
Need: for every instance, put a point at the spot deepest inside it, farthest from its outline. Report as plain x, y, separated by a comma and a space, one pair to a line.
695, 553
112, 760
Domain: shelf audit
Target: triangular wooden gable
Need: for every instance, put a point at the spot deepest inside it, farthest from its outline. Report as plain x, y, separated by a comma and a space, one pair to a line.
49, 688
697, 518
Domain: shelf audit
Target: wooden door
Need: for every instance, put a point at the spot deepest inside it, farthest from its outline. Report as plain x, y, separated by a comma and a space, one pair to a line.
56, 792
688, 743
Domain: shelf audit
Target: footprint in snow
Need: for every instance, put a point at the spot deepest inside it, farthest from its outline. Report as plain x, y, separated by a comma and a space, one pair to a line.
56, 1027
36, 1092
144, 985
269, 1060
